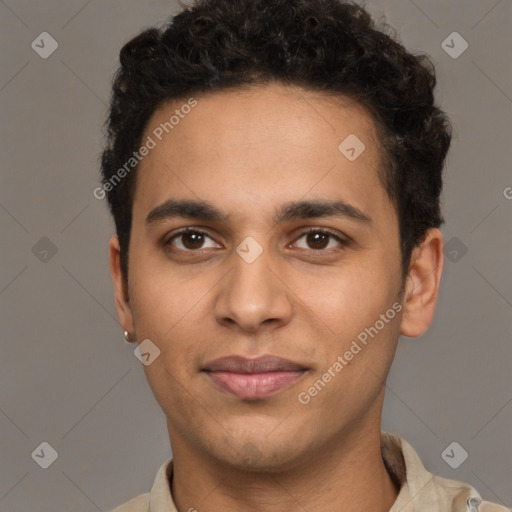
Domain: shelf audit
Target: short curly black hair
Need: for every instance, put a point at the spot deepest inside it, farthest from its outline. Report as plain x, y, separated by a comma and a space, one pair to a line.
328, 46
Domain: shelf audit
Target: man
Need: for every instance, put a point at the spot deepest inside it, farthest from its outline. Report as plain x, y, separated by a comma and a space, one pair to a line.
273, 168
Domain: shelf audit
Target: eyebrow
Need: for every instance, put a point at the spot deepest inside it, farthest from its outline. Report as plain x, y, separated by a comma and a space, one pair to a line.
185, 208
319, 208
202, 210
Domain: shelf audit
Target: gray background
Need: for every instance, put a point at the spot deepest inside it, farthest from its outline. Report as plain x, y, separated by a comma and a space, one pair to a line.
67, 377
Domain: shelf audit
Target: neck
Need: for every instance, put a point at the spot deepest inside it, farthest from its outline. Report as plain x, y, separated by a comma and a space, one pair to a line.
349, 475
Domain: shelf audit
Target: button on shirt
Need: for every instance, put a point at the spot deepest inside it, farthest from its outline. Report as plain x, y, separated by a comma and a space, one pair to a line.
420, 490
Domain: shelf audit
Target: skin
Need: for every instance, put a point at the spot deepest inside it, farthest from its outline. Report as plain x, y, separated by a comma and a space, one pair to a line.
248, 153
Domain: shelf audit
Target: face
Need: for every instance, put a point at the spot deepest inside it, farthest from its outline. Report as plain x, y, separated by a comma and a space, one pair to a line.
255, 235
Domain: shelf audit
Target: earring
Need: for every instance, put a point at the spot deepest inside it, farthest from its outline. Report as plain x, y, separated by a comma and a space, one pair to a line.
127, 337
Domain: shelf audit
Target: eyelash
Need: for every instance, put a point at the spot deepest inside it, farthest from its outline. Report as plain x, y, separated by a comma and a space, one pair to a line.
167, 243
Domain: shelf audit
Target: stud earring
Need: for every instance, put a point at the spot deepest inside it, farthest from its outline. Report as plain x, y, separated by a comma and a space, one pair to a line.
127, 337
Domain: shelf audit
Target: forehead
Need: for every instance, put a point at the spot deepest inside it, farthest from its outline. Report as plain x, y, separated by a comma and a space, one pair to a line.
261, 146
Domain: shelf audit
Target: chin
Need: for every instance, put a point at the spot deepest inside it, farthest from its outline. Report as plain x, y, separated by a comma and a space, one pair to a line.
258, 455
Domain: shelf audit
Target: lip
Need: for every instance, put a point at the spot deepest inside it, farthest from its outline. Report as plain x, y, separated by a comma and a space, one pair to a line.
252, 379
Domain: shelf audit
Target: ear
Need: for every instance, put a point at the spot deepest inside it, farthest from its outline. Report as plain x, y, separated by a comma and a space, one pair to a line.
124, 310
422, 285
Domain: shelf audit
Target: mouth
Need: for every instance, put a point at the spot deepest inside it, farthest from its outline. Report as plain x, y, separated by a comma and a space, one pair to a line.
253, 379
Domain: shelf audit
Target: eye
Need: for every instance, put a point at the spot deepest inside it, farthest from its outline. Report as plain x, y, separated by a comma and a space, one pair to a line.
190, 239
319, 239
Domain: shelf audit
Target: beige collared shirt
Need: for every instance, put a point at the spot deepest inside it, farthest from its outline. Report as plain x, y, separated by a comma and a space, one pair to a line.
420, 490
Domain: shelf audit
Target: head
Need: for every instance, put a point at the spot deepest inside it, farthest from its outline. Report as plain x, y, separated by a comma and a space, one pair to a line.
261, 120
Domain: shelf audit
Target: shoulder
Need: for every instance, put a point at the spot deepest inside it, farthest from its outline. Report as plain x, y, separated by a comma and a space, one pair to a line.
159, 498
459, 496
421, 489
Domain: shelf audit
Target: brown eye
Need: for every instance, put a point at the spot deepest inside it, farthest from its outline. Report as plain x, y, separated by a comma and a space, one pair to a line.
318, 239
191, 240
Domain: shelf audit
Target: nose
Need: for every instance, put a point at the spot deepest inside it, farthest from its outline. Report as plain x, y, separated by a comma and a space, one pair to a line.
254, 295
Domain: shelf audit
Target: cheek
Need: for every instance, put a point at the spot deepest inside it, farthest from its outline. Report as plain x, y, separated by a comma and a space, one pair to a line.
171, 309
347, 302
172, 390
164, 298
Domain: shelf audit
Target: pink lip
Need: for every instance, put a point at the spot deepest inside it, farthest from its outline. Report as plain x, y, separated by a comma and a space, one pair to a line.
252, 379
